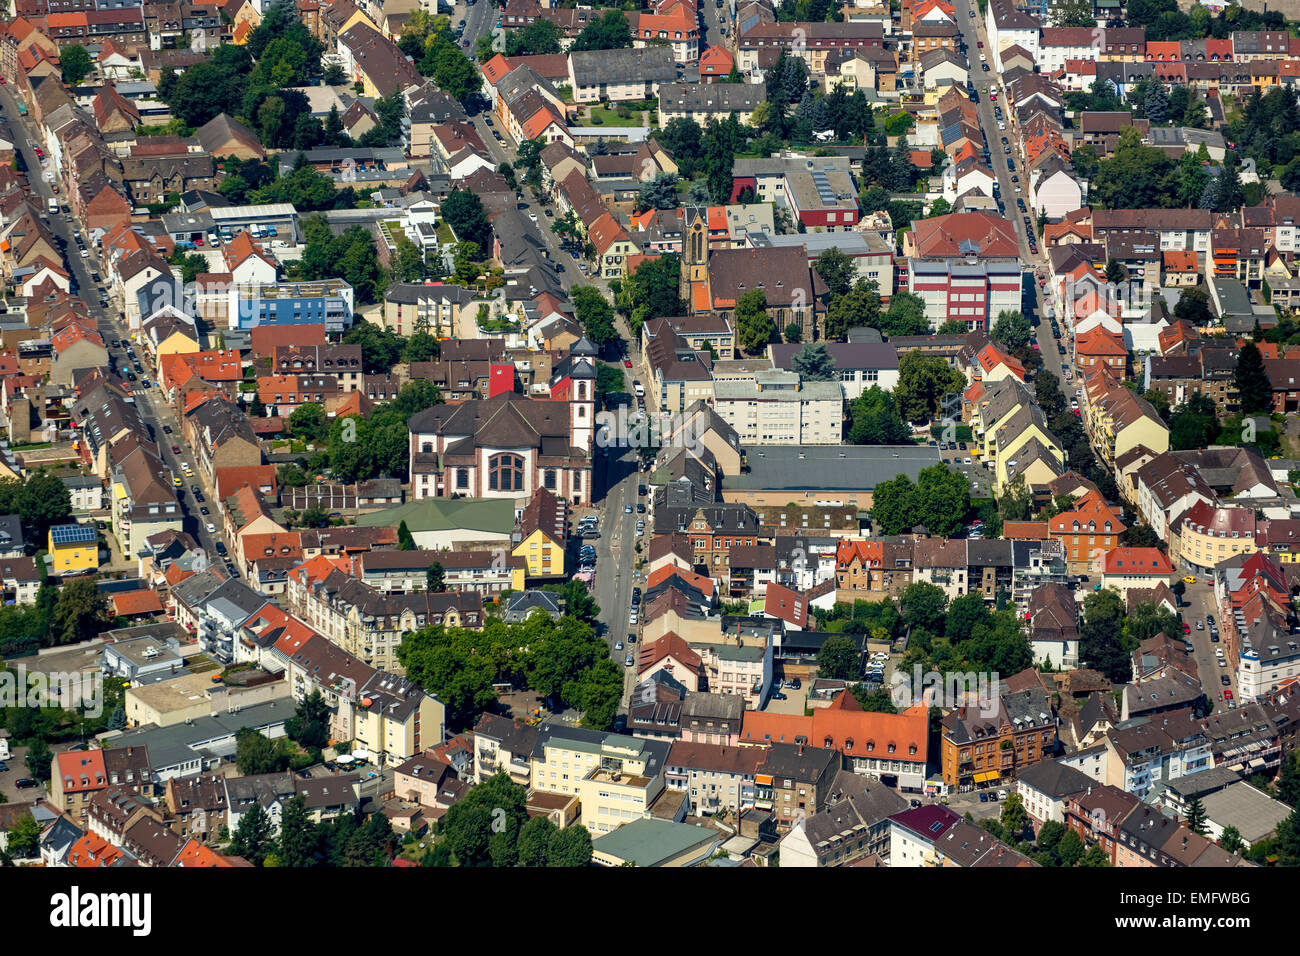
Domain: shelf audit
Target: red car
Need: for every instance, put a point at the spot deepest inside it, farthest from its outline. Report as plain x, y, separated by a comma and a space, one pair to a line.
1227, 695
1187, 628
176, 449
627, 363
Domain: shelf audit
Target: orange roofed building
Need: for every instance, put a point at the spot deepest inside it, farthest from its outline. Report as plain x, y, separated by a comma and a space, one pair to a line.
1089, 530
892, 747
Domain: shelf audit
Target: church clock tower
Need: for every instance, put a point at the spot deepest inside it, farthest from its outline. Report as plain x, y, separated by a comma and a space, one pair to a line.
695, 252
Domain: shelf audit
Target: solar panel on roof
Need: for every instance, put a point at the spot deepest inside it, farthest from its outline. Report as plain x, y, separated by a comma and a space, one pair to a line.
71, 534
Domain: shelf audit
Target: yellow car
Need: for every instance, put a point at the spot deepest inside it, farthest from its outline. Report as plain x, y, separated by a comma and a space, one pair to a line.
178, 483
1189, 579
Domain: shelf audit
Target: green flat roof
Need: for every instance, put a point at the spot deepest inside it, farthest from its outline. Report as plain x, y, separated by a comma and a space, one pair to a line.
446, 514
651, 842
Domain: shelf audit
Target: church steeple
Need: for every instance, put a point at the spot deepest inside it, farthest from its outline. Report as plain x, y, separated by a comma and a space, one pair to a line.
695, 251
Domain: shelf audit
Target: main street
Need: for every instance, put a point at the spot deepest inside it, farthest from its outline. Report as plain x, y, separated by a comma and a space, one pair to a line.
972, 31
153, 409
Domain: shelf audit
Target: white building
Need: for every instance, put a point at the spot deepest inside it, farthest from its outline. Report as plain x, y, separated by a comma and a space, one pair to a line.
779, 409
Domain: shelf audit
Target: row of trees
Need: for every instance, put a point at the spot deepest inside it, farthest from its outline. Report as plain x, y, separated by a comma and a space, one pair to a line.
562, 660
351, 840
490, 827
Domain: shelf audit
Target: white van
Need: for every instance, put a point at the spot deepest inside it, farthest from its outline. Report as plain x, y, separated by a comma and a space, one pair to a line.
639, 390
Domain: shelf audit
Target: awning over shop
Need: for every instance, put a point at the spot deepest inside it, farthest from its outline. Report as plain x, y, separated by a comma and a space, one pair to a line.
986, 776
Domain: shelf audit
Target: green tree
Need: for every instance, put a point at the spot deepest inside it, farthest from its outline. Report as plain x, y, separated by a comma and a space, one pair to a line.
595, 314
1014, 819
837, 270
255, 753
860, 306
1095, 856
252, 839
1230, 841
609, 32
814, 363
905, 316
1196, 816
1193, 306
876, 701
658, 193
754, 326
1069, 849
80, 611
939, 501
310, 724
1288, 785
1012, 330
923, 382
487, 811
537, 38
309, 422
463, 211
922, 605
24, 837
1102, 645
38, 759
875, 420
571, 847
839, 659
75, 63
300, 838
435, 578
405, 541
1252, 380
534, 843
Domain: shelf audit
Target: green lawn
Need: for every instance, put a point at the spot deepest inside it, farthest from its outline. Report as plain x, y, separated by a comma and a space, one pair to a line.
609, 118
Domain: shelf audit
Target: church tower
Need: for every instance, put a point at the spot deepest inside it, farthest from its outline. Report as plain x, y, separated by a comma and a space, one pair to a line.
695, 252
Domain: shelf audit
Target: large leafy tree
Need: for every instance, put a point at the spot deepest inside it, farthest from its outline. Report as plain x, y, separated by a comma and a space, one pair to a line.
252, 838
923, 382
814, 363
839, 659
939, 500
905, 316
859, 306
1252, 380
754, 326
874, 420
1102, 644
609, 32
75, 63
1012, 330
837, 270
464, 213
595, 314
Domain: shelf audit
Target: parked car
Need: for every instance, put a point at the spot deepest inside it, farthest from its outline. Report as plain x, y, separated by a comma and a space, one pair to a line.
24, 783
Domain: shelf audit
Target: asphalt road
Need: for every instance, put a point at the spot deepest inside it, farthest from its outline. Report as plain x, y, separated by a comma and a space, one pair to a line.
1197, 603
617, 481
972, 31
153, 408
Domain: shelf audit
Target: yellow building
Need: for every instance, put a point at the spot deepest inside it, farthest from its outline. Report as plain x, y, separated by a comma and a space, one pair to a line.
541, 528
543, 556
73, 549
395, 720
616, 777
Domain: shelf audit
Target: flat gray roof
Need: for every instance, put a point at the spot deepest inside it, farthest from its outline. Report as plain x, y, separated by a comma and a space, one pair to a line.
828, 467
